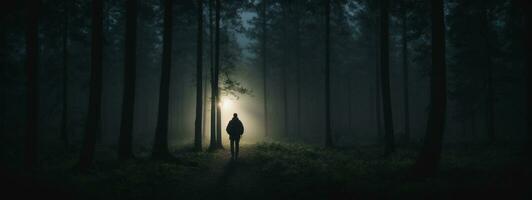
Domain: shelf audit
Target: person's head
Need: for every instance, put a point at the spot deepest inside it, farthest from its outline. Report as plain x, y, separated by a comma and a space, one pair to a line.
235, 115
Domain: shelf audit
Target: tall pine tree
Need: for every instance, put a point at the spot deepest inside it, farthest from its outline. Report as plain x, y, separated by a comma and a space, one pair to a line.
160, 146
95, 97
429, 157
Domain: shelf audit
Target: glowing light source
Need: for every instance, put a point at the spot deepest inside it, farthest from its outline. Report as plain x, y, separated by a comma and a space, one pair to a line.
226, 103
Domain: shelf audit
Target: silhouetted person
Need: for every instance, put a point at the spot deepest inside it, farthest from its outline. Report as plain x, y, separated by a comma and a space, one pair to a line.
235, 129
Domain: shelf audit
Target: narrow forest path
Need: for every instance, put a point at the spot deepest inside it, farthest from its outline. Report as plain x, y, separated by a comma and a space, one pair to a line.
228, 179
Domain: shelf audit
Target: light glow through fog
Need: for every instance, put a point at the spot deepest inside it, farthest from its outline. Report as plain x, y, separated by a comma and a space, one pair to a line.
244, 107
226, 103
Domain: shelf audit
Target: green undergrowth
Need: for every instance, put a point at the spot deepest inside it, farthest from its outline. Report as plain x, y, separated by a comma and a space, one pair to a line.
296, 169
288, 171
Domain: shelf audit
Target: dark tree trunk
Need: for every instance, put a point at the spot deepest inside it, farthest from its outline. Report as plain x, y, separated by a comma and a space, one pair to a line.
490, 90
528, 66
160, 146
285, 98
328, 134
529, 87
298, 68
182, 93
32, 69
64, 112
405, 75
378, 98
429, 157
212, 144
463, 123
4, 84
128, 101
350, 102
490, 103
199, 79
284, 75
217, 75
204, 105
219, 122
385, 78
474, 125
205, 86
95, 95
264, 69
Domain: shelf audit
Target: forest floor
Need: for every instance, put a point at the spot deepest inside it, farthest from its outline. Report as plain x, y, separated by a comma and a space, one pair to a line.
286, 171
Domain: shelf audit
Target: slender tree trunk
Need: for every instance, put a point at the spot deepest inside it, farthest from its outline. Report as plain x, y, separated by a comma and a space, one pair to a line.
64, 116
128, 101
205, 87
371, 101
474, 125
429, 157
285, 99
219, 132
4, 85
212, 144
204, 107
93, 126
378, 102
32, 69
199, 81
328, 134
349, 101
490, 90
286, 57
181, 125
378, 88
160, 146
264, 69
528, 65
298, 68
405, 76
463, 123
385, 78
217, 74
219, 123
490, 105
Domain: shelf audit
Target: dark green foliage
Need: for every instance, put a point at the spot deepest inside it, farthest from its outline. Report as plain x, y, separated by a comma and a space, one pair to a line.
303, 171
275, 170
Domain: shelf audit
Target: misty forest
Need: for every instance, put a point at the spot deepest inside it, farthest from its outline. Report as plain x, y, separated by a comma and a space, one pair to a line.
337, 99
